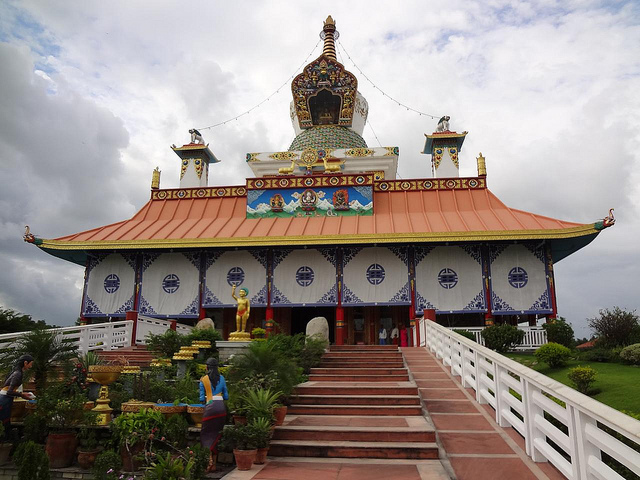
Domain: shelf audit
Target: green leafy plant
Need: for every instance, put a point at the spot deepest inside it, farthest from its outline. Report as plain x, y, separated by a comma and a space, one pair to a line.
614, 327
260, 403
200, 457
559, 331
107, 466
466, 334
132, 428
631, 354
311, 354
258, 332
166, 343
553, 354
502, 338
175, 430
87, 439
261, 430
205, 334
582, 378
168, 467
240, 437
32, 462
61, 410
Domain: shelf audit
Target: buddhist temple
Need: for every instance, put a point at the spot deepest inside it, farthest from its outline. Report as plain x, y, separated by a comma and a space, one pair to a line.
324, 228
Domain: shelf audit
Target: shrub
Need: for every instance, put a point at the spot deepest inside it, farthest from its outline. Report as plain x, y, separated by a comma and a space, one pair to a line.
553, 354
559, 331
168, 467
311, 354
32, 462
582, 378
502, 337
258, 332
631, 354
614, 327
107, 466
466, 334
597, 355
175, 430
167, 343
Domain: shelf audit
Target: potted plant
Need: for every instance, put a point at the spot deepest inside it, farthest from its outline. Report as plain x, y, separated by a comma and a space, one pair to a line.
258, 333
134, 433
31, 461
5, 448
262, 431
88, 448
238, 409
243, 440
260, 403
167, 467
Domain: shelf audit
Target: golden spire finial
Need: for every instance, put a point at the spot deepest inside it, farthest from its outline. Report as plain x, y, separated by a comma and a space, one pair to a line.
329, 34
482, 166
155, 179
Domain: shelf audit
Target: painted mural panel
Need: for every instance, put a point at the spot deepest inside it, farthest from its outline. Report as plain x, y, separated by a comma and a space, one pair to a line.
304, 277
243, 268
170, 285
314, 202
110, 285
519, 280
449, 279
375, 276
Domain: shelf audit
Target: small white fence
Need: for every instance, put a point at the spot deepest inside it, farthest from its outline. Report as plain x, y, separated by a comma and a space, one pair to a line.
524, 399
534, 337
101, 336
156, 326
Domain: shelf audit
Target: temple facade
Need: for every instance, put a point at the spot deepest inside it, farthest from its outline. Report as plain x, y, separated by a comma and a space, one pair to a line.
325, 229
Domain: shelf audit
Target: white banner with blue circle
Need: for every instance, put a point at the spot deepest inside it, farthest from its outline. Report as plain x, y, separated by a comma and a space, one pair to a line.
304, 277
170, 285
449, 279
109, 290
375, 276
519, 282
243, 268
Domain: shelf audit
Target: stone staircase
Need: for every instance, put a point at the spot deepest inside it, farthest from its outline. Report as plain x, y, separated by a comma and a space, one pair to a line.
359, 403
136, 355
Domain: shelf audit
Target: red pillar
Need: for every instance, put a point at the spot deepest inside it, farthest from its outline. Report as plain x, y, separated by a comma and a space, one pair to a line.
174, 323
340, 334
133, 315
269, 321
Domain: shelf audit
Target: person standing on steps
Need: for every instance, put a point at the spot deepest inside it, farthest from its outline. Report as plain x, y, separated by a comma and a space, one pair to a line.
395, 334
382, 335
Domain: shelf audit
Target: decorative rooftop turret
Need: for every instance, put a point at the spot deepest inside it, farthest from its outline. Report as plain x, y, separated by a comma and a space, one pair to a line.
195, 159
444, 147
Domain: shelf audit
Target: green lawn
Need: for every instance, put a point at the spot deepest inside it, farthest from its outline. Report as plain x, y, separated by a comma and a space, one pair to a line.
619, 384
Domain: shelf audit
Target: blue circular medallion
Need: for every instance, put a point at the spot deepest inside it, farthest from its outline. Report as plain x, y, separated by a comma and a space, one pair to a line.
112, 283
304, 276
518, 277
235, 276
447, 278
375, 274
171, 283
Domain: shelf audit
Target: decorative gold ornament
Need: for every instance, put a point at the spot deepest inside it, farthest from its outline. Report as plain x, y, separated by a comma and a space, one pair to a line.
358, 152
482, 167
105, 375
155, 179
183, 168
284, 156
130, 369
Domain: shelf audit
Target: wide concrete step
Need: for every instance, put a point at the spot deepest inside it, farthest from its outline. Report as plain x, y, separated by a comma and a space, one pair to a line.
347, 389
358, 378
376, 410
355, 434
362, 348
332, 363
364, 355
356, 400
358, 371
346, 449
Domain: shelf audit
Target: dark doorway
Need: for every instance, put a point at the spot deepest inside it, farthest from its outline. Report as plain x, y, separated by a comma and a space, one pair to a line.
300, 316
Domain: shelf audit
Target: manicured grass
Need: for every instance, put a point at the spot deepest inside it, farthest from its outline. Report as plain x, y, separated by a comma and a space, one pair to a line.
619, 384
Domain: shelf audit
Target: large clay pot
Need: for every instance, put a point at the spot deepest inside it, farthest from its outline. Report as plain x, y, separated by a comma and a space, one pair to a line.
61, 448
261, 456
129, 462
86, 459
244, 458
280, 413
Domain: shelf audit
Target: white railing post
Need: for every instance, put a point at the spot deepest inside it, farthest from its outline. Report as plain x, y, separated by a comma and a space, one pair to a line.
108, 336
83, 341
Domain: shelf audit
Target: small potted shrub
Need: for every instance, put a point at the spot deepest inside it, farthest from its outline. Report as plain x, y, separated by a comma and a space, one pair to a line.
258, 333
134, 433
243, 440
260, 403
262, 431
32, 462
5, 448
88, 449
107, 466
168, 466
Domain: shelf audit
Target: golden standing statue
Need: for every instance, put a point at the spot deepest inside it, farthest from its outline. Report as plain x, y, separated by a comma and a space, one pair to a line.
242, 315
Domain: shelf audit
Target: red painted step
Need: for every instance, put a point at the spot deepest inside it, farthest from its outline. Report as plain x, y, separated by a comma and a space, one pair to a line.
332, 363
309, 448
373, 370
347, 389
358, 378
362, 348
377, 410
356, 400
360, 434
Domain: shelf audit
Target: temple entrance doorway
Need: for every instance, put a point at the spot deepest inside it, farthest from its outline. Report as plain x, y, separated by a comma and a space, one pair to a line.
300, 316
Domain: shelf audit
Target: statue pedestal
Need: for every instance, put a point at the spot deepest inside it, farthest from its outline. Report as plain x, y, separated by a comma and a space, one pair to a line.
240, 337
227, 348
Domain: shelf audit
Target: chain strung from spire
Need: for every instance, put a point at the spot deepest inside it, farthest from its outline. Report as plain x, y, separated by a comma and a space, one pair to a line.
329, 34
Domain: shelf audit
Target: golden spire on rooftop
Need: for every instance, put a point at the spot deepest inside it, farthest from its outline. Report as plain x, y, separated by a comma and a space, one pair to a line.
329, 34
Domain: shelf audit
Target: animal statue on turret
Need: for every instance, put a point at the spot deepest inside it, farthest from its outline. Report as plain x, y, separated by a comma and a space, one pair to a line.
28, 236
443, 124
196, 137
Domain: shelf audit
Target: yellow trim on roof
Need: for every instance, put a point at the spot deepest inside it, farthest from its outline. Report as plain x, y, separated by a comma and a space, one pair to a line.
418, 237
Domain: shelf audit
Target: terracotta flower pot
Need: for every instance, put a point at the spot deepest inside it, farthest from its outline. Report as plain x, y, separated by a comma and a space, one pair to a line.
261, 456
280, 413
61, 448
86, 459
244, 458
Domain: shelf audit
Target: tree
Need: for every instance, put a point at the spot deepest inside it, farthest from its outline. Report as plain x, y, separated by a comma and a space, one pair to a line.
12, 321
615, 327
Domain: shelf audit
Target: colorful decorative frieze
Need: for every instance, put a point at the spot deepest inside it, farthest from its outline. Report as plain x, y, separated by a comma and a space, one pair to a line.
430, 184
206, 192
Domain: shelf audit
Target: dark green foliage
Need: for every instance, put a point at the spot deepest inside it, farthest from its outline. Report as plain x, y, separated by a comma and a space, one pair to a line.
553, 354
167, 467
615, 327
466, 334
167, 343
582, 378
598, 355
131, 428
105, 462
262, 431
175, 430
631, 354
240, 437
559, 331
260, 403
200, 461
311, 354
12, 321
502, 338
32, 462
186, 390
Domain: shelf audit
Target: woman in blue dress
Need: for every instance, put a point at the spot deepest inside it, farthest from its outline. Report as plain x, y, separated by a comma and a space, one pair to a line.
213, 390
12, 387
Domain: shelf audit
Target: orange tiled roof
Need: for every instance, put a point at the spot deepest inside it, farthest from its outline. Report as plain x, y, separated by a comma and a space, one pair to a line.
416, 216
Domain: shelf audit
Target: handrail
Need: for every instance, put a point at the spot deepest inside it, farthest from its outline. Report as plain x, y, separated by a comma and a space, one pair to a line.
534, 337
528, 401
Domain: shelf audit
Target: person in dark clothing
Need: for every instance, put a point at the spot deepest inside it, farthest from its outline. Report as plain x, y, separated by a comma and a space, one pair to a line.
13, 387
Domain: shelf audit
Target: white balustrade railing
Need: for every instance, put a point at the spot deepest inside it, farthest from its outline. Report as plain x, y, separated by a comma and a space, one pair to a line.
534, 337
101, 336
157, 326
559, 424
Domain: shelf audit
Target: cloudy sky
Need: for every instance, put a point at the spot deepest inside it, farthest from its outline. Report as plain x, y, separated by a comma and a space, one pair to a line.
91, 97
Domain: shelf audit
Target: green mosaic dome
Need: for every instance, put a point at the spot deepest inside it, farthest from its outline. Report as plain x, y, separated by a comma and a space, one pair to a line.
327, 136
